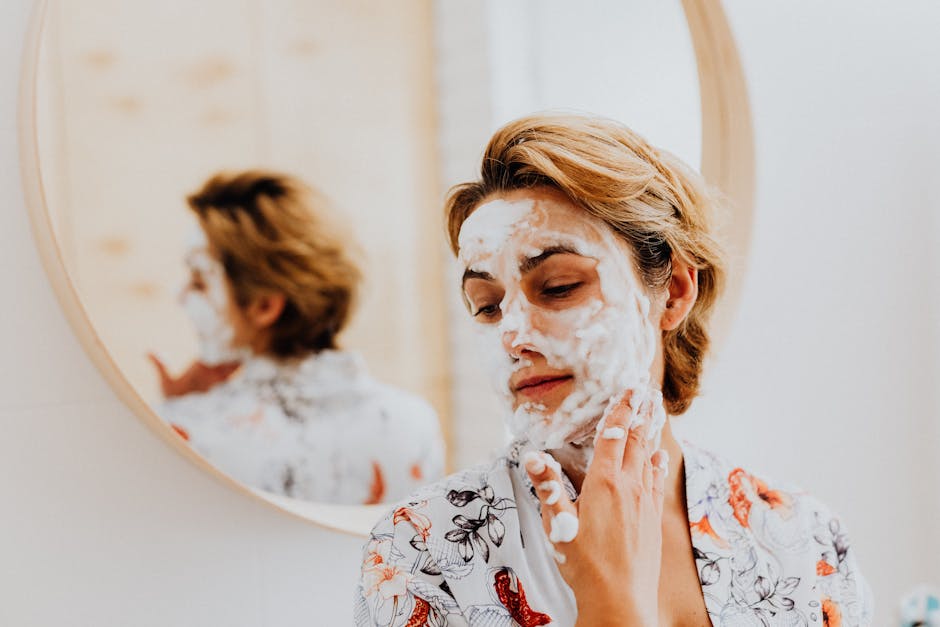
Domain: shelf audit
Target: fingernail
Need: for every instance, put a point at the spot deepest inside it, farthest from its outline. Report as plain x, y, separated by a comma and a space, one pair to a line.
554, 491
534, 463
614, 433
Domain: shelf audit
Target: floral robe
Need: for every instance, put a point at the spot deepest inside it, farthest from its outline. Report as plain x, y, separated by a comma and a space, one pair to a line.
319, 430
470, 550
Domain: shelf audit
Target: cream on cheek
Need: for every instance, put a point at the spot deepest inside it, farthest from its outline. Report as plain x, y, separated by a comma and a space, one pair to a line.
206, 309
608, 343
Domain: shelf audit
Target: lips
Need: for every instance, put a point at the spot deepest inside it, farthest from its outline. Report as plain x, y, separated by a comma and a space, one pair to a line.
541, 384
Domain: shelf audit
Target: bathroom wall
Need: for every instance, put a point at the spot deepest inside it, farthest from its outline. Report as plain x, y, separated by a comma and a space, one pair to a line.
829, 377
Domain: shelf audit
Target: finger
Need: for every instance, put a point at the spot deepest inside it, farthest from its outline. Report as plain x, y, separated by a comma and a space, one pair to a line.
162, 372
559, 514
612, 436
636, 452
648, 474
659, 463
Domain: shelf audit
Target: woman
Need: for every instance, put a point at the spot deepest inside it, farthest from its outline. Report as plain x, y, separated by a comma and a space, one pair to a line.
272, 401
590, 271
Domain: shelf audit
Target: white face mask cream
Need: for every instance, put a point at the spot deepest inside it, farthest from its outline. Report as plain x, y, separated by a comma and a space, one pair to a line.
606, 343
206, 307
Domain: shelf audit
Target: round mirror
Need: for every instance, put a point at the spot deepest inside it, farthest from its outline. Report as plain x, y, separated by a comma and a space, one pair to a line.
184, 154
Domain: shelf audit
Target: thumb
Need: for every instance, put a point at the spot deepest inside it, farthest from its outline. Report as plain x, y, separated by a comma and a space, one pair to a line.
162, 372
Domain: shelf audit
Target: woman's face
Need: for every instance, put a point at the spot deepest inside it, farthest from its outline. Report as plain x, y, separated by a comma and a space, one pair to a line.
563, 316
207, 299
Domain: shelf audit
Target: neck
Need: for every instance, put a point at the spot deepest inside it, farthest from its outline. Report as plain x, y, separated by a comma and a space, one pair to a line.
574, 461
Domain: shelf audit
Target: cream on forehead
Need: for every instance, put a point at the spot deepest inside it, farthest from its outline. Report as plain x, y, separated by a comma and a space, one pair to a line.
488, 229
495, 224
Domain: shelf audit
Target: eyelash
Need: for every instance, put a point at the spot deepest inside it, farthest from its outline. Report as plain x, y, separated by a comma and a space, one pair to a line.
560, 291
489, 310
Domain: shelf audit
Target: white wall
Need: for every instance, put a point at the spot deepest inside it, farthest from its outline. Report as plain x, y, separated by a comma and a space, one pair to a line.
829, 378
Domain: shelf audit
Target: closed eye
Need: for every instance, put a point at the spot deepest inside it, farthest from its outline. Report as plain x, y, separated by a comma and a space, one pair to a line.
486, 311
560, 291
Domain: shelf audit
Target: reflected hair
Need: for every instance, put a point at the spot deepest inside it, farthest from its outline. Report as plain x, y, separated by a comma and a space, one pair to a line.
266, 230
650, 198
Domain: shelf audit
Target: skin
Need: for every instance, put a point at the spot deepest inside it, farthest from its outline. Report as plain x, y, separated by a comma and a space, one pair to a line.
252, 329
631, 562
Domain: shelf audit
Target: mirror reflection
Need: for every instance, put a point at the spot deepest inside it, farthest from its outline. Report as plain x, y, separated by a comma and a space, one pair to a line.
270, 398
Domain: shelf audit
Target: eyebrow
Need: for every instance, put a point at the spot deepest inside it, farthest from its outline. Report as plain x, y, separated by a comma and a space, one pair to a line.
531, 263
475, 274
528, 264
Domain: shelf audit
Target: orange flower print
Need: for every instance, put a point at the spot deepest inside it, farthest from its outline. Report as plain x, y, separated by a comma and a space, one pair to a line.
420, 522
832, 615
377, 490
377, 554
704, 527
512, 596
774, 498
379, 575
416, 473
180, 431
824, 568
744, 487
419, 617
738, 500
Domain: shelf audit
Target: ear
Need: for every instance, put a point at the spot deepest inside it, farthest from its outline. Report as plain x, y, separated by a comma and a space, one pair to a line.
264, 310
683, 291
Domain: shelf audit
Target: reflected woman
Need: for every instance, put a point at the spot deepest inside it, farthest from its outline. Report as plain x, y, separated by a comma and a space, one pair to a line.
590, 270
272, 401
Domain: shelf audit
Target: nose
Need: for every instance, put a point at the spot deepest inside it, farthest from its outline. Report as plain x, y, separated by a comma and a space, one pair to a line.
516, 349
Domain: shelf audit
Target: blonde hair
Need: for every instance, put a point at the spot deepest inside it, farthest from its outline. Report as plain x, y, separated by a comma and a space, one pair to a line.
264, 229
660, 206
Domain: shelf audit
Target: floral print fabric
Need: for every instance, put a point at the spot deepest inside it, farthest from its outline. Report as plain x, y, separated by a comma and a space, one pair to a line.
470, 550
321, 430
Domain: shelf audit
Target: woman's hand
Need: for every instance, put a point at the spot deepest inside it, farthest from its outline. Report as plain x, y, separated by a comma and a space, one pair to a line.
199, 377
609, 543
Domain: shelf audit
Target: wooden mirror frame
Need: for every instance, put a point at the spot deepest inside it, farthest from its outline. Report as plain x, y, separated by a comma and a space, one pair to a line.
727, 163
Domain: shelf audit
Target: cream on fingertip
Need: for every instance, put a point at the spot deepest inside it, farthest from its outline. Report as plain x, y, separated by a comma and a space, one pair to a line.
552, 463
534, 462
564, 528
554, 491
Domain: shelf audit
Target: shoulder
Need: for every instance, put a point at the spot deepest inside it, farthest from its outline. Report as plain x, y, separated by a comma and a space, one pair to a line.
438, 501
413, 551
749, 493
804, 535
442, 518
